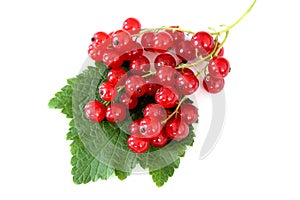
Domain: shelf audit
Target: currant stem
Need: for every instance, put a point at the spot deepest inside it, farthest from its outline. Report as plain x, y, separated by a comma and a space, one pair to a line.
120, 88
236, 22
202, 70
106, 103
222, 44
150, 73
176, 110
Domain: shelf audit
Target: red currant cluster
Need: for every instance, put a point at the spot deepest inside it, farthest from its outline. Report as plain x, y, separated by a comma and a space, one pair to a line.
154, 64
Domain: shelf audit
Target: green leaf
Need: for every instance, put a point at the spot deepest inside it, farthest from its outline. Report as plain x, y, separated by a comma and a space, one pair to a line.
161, 176
63, 99
105, 140
122, 175
86, 167
72, 134
100, 149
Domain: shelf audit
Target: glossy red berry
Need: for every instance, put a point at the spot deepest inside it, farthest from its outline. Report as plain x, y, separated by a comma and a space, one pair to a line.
130, 103
121, 41
117, 76
155, 111
159, 141
107, 91
116, 112
95, 53
152, 85
176, 129
112, 58
150, 127
221, 52
185, 50
187, 83
204, 42
167, 97
132, 25
177, 36
162, 42
140, 65
100, 38
185, 71
164, 59
166, 75
136, 50
138, 145
135, 86
95, 111
147, 41
213, 84
188, 113
134, 127
218, 67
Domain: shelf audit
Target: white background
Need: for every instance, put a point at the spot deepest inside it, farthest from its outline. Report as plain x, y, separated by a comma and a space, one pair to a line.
258, 157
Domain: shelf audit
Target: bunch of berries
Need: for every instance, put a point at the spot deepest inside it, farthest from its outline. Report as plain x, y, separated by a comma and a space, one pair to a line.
162, 66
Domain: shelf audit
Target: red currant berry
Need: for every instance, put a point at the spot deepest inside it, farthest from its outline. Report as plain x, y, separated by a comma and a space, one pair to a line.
150, 127
132, 25
221, 52
176, 129
121, 40
100, 38
135, 51
117, 76
164, 59
155, 111
95, 53
138, 145
131, 103
166, 75
204, 42
185, 71
188, 113
159, 141
187, 83
167, 97
177, 36
162, 42
107, 91
134, 127
147, 41
112, 59
140, 65
152, 85
219, 67
135, 86
116, 112
185, 50
213, 84
95, 111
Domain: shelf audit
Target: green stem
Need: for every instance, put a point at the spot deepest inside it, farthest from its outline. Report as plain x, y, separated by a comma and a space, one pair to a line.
106, 103
236, 22
222, 44
202, 70
150, 73
176, 110
120, 88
